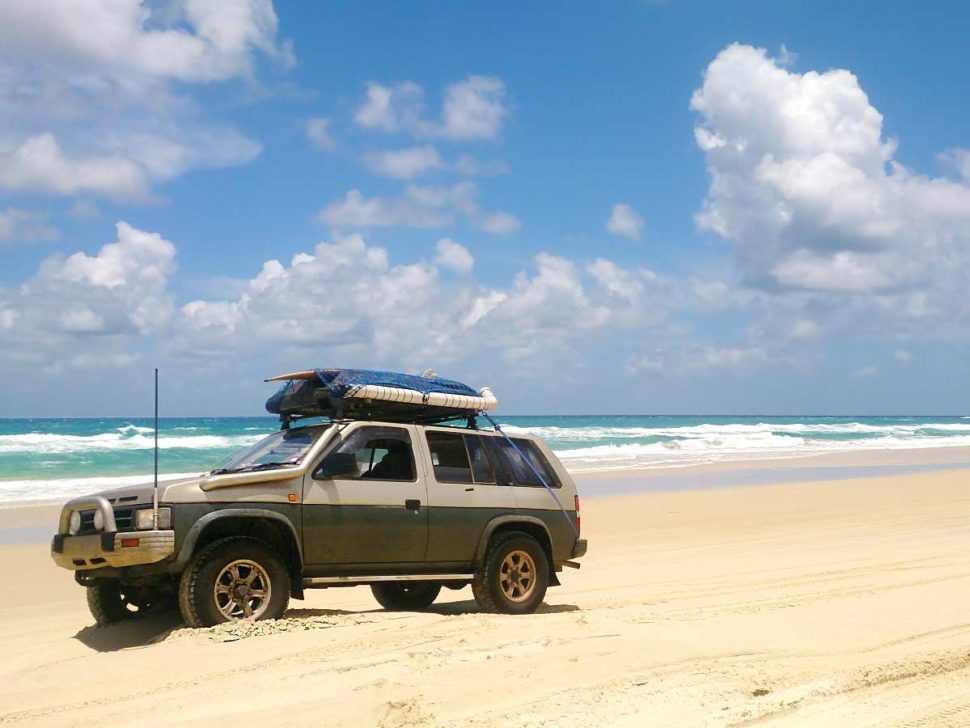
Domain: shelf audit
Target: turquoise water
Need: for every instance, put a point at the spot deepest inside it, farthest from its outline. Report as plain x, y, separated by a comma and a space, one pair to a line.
46, 459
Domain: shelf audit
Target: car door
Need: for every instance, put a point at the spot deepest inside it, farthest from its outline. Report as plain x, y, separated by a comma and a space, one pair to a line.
464, 493
365, 501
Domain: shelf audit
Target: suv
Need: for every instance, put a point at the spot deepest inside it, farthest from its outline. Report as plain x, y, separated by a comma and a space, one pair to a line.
402, 507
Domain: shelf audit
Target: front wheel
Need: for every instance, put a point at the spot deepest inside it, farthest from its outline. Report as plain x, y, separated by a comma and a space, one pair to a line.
110, 602
514, 576
406, 596
233, 579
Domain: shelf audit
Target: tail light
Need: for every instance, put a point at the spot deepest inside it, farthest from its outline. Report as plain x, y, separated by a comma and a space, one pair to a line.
576, 503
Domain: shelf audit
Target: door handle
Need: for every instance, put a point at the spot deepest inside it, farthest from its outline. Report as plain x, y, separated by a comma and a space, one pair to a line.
412, 504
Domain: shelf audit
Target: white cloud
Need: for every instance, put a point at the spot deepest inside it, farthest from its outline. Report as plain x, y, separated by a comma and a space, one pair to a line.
318, 133
25, 226
501, 223
959, 160
40, 165
93, 98
90, 305
903, 356
84, 210
391, 108
625, 221
454, 256
120, 40
786, 57
357, 304
472, 167
472, 109
866, 372
419, 206
806, 187
676, 360
404, 163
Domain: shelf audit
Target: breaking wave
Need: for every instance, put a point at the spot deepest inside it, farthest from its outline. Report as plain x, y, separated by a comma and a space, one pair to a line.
127, 439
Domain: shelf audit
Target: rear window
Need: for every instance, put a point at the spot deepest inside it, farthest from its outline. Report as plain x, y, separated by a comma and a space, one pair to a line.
519, 469
459, 458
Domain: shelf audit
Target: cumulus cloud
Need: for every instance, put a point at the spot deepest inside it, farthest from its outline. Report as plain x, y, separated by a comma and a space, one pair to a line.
357, 304
501, 223
625, 221
404, 163
677, 359
39, 164
116, 40
472, 109
806, 187
25, 226
318, 133
454, 256
90, 304
419, 206
88, 91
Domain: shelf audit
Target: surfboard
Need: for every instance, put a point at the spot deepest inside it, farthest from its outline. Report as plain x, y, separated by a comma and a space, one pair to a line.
376, 394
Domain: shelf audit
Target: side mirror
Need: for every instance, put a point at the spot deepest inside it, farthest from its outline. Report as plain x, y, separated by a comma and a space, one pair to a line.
337, 465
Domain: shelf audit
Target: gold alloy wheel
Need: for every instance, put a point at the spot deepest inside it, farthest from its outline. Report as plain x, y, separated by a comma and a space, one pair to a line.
517, 576
242, 590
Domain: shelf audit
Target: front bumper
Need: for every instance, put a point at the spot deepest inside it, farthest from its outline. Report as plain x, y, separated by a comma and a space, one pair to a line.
579, 550
97, 550
110, 547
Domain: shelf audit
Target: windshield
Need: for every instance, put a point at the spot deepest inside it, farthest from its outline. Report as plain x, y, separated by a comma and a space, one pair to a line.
286, 448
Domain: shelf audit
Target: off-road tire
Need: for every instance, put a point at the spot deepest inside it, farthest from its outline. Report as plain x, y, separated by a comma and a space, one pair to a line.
406, 596
196, 599
486, 583
109, 604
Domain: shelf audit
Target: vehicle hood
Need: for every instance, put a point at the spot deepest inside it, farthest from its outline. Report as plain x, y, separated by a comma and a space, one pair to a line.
141, 493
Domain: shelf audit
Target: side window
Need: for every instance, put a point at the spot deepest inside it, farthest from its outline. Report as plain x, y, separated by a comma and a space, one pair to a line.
381, 453
459, 458
481, 464
449, 458
522, 474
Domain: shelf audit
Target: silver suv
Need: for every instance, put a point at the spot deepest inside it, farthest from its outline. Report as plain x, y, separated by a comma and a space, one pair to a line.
404, 508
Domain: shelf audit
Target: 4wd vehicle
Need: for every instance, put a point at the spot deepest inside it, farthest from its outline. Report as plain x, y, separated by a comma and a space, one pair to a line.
382, 494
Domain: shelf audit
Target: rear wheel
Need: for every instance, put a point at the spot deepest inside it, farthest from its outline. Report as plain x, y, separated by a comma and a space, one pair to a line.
406, 596
233, 579
514, 576
110, 602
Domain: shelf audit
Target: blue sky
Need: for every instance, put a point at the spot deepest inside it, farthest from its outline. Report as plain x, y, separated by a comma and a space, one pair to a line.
671, 207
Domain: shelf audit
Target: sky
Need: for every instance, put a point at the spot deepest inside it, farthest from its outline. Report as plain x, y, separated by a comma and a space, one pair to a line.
632, 208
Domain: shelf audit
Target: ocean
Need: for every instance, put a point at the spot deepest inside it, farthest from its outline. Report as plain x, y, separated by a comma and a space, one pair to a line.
50, 459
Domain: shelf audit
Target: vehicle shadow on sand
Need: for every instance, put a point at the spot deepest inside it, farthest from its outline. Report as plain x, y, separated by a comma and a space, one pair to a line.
153, 628
469, 606
139, 632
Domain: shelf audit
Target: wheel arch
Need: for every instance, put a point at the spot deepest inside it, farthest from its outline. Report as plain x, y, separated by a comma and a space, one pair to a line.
518, 522
265, 525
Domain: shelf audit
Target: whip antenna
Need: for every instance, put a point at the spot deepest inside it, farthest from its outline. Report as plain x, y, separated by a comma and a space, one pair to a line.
155, 489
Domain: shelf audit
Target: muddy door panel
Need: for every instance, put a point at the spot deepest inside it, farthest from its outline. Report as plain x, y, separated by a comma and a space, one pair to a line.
368, 508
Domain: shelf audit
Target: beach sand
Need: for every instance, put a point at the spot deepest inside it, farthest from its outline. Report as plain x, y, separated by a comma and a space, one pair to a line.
822, 603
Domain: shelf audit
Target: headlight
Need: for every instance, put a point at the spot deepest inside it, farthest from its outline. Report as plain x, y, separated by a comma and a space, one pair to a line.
143, 518
98, 520
75, 524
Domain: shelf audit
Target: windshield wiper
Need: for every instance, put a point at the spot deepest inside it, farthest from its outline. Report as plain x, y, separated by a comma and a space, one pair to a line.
251, 468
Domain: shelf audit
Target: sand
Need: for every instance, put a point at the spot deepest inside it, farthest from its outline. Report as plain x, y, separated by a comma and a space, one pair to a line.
824, 603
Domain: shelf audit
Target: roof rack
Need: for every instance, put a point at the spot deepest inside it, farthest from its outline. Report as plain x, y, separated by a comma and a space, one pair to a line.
365, 394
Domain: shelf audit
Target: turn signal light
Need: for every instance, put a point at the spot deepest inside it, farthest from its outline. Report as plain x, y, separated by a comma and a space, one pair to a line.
576, 502
128, 542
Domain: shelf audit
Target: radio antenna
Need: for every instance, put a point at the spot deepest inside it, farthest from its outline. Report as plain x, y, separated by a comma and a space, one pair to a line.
155, 489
